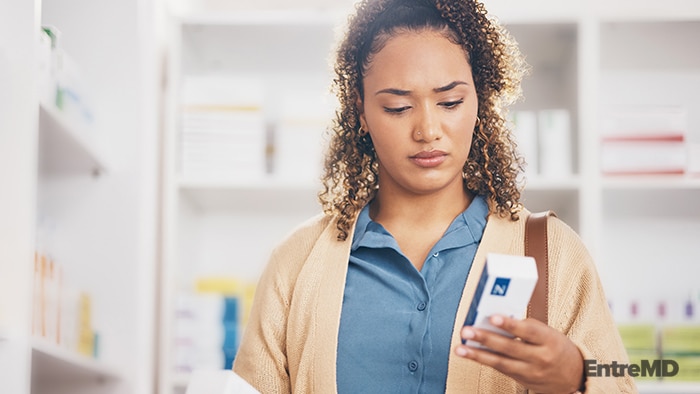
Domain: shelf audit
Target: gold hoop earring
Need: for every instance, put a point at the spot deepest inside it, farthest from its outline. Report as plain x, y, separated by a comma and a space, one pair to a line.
478, 122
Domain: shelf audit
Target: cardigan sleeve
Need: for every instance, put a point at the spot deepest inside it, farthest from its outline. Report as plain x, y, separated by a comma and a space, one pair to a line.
262, 356
578, 308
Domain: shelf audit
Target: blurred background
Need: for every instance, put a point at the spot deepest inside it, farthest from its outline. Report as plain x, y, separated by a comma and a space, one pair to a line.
153, 152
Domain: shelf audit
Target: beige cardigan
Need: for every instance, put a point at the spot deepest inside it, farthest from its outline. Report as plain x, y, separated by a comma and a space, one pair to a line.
291, 339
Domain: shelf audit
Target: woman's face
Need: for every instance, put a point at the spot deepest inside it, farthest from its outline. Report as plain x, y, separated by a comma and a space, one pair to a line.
420, 108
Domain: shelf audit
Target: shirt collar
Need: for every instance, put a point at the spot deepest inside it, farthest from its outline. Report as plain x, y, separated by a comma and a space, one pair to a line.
465, 229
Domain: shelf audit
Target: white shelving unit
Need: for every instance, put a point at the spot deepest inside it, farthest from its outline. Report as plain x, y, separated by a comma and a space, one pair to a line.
57, 365
228, 228
96, 185
65, 151
18, 139
66, 147
628, 223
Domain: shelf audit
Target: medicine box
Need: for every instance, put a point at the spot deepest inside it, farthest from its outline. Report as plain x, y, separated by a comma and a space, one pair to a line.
505, 287
638, 337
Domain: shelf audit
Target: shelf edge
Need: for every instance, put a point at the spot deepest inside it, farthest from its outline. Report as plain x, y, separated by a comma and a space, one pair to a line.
243, 185
680, 182
668, 387
251, 17
57, 124
75, 361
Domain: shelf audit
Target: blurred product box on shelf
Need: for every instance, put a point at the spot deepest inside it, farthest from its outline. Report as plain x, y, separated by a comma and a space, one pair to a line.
223, 136
554, 141
47, 297
72, 96
524, 126
46, 72
680, 340
639, 337
644, 140
86, 335
209, 322
668, 329
298, 137
644, 122
61, 314
241, 289
61, 83
694, 159
688, 368
199, 332
643, 157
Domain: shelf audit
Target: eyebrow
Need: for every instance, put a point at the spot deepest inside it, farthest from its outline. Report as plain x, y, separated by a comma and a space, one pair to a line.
400, 92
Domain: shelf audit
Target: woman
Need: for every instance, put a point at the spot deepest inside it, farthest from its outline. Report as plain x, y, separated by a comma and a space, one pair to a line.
420, 185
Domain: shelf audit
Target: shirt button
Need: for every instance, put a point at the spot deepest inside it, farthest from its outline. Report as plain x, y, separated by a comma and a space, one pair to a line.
436, 254
413, 366
421, 306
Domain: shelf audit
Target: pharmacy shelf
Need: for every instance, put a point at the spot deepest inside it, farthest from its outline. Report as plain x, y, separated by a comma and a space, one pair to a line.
269, 193
516, 11
546, 184
668, 387
659, 182
263, 184
57, 364
66, 148
297, 17
566, 74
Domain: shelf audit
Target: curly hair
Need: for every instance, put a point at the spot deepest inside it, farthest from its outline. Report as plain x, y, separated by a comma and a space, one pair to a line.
351, 171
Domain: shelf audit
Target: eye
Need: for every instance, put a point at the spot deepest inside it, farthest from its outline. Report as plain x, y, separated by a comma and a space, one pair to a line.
396, 110
451, 104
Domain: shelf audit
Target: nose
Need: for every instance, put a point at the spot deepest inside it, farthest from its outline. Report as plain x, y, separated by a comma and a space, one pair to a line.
427, 126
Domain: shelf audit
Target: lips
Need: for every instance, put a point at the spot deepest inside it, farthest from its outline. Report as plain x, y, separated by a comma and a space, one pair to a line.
429, 159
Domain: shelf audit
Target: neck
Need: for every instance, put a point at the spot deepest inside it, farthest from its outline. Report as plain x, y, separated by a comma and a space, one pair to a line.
406, 209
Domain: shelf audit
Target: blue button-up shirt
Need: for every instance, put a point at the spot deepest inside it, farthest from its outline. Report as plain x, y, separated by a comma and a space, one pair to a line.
396, 322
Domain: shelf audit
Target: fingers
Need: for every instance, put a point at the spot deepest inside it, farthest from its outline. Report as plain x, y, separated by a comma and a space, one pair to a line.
515, 368
531, 335
498, 343
540, 357
529, 330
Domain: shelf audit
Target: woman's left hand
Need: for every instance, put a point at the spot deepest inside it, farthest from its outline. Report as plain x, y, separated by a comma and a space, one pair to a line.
542, 359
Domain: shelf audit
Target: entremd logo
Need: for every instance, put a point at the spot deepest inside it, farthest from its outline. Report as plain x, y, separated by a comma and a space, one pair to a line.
657, 368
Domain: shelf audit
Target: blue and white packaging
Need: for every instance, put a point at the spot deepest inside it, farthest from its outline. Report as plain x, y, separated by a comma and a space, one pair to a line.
505, 288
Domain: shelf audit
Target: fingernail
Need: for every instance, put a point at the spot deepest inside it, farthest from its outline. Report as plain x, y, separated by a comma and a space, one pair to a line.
462, 351
467, 333
497, 320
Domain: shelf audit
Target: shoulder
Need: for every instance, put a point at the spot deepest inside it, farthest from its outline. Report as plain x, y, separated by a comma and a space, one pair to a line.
571, 267
559, 233
297, 244
289, 255
565, 241
562, 241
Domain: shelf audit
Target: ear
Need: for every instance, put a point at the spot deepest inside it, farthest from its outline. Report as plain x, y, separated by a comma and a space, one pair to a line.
360, 105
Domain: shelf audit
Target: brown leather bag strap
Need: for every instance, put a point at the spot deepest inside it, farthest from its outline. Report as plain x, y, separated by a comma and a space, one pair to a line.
536, 246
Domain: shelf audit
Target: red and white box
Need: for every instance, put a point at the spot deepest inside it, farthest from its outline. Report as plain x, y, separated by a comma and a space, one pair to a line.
645, 141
